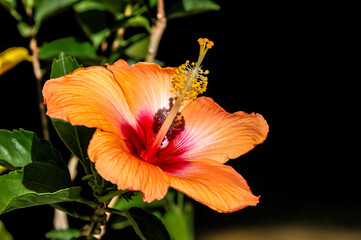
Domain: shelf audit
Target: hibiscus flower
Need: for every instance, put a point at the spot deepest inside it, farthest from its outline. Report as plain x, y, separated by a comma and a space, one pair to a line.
153, 132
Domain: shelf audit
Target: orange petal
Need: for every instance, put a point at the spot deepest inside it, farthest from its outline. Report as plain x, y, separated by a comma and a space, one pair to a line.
147, 89
216, 185
212, 133
146, 85
116, 164
90, 97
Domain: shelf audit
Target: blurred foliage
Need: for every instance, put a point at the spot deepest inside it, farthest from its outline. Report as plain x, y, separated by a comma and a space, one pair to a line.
63, 234
4, 234
114, 28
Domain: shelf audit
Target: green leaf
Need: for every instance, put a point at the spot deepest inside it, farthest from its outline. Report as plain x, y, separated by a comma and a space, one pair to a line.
186, 8
115, 7
200, 5
10, 5
75, 209
94, 21
152, 3
13, 195
138, 49
76, 138
63, 65
48, 8
24, 29
99, 37
63, 234
138, 21
179, 222
4, 234
44, 177
70, 46
146, 225
15, 148
19, 148
29, 4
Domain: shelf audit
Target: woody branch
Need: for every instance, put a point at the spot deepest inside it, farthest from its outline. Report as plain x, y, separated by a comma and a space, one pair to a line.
157, 32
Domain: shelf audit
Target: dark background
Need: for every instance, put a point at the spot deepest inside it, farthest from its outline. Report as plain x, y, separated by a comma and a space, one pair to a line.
282, 61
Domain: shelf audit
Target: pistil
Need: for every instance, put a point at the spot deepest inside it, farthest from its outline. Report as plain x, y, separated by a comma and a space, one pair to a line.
188, 82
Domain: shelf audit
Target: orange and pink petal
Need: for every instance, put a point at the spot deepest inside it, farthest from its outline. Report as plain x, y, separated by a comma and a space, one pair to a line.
213, 184
212, 133
147, 89
90, 97
115, 162
145, 85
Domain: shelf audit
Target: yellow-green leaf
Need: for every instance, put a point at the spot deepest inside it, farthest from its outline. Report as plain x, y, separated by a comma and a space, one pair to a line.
13, 56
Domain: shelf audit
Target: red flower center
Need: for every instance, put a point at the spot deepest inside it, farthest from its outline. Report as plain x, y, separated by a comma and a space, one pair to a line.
168, 156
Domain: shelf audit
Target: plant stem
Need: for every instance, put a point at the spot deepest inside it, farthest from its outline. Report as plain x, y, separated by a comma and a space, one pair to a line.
180, 200
115, 211
94, 226
39, 77
102, 228
157, 32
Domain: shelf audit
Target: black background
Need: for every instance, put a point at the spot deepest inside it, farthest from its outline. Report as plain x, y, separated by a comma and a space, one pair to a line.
283, 61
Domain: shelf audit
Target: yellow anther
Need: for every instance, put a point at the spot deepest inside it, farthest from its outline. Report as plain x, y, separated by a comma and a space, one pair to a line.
205, 42
189, 80
201, 41
210, 44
